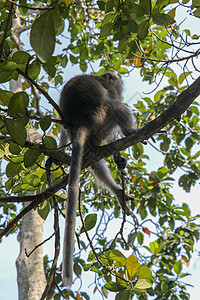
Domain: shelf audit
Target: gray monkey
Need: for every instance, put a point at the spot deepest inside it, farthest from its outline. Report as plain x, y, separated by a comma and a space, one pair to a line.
93, 112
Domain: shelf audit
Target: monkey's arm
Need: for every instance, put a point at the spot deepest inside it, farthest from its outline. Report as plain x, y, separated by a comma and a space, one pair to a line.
104, 178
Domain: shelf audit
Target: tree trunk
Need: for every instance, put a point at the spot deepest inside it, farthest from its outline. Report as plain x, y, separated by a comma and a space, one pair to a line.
30, 270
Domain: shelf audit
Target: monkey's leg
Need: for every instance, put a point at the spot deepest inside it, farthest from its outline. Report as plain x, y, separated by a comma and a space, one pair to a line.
104, 178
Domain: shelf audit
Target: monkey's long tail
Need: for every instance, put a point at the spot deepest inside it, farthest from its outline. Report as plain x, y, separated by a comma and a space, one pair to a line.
73, 192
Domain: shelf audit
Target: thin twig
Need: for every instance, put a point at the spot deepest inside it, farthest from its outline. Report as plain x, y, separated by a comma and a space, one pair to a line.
50, 7
43, 242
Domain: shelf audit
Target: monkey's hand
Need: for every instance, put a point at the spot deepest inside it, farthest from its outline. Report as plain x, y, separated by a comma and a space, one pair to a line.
123, 198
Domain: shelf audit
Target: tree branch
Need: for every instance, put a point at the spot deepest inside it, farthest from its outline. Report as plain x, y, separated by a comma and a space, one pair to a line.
184, 100
49, 7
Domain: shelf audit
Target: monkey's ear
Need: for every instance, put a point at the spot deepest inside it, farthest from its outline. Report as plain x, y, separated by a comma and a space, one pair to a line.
108, 76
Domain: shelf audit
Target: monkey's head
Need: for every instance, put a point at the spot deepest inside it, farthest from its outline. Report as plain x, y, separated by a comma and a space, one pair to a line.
114, 82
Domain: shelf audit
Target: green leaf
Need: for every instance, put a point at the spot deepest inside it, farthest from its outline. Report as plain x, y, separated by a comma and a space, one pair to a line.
34, 179
104, 292
122, 45
189, 143
183, 76
18, 159
90, 222
44, 209
21, 57
132, 265
117, 256
161, 3
140, 237
162, 19
42, 36
83, 66
143, 284
17, 188
164, 146
45, 124
13, 169
114, 287
18, 104
146, 4
137, 9
185, 182
137, 150
50, 142
143, 29
50, 67
178, 267
77, 270
108, 18
30, 157
6, 70
1, 153
17, 130
197, 12
109, 5
105, 30
154, 247
73, 59
8, 184
172, 12
144, 272
14, 148
123, 70
123, 295
34, 69
187, 31
5, 97
164, 287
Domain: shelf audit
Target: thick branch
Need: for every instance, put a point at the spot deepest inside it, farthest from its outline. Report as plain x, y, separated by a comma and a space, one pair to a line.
184, 100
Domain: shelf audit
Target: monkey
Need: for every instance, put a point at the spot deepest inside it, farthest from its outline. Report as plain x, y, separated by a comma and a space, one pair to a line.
93, 113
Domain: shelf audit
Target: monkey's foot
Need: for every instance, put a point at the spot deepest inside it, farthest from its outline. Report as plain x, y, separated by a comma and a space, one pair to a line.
120, 161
